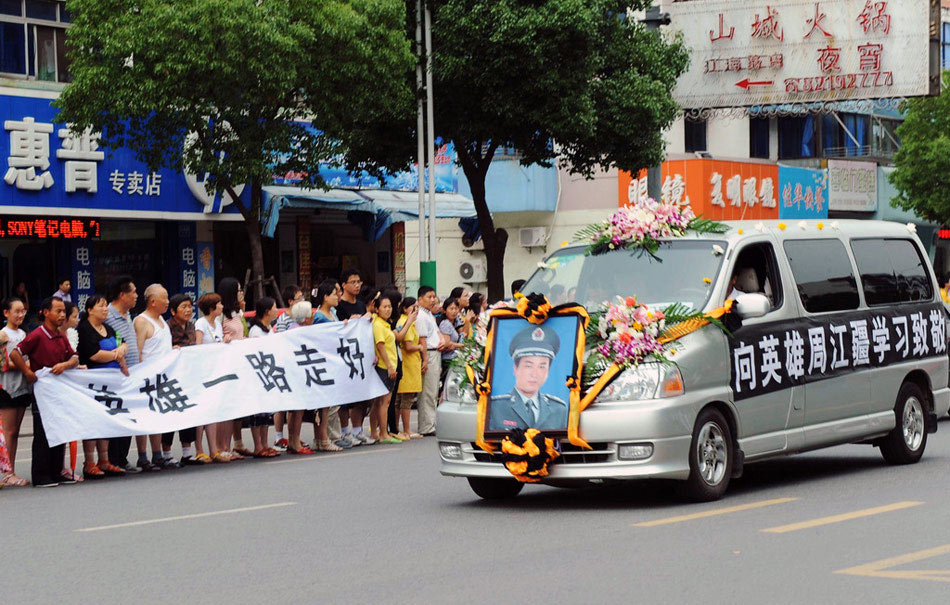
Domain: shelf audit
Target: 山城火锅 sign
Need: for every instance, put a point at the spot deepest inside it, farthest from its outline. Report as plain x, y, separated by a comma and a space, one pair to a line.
792, 51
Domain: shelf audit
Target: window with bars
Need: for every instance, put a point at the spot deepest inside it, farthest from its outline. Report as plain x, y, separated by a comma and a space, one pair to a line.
33, 40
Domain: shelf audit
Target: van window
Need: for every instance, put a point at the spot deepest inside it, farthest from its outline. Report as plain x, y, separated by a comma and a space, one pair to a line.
823, 273
892, 271
756, 272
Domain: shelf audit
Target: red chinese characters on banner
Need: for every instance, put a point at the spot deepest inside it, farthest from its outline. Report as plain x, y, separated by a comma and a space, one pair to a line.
718, 190
870, 56
874, 18
768, 26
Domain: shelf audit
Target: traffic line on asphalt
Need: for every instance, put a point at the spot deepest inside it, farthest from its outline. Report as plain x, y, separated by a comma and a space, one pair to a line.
883, 568
857, 514
334, 456
715, 512
230, 511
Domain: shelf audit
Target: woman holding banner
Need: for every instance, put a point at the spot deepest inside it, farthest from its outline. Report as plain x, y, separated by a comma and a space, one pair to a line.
265, 312
327, 298
233, 328
99, 348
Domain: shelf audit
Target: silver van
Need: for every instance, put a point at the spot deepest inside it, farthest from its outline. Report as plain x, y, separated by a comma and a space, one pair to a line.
838, 336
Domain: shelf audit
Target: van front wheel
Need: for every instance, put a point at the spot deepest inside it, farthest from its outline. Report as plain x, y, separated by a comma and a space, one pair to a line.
710, 458
906, 443
495, 489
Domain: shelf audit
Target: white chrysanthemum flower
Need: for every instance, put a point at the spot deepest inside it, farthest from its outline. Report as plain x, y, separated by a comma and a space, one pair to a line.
802, 225
717, 250
912, 227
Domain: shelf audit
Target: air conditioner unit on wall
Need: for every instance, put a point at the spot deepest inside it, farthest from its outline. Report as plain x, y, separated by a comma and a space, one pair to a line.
531, 237
473, 271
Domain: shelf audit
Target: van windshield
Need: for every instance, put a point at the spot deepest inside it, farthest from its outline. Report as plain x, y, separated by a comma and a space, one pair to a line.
675, 274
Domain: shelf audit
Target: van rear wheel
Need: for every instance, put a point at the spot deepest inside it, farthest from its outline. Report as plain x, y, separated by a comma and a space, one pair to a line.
906, 443
495, 489
710, 458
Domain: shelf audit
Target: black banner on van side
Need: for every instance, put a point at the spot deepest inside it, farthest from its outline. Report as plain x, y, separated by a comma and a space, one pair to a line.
779, 355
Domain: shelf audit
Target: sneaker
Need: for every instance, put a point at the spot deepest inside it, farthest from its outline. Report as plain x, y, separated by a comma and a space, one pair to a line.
281, 445
343, 443
131, 469
170, 464
352, 439
365, 439
50, 484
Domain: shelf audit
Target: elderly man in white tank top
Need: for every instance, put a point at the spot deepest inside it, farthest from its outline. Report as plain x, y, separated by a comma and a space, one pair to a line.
154, 340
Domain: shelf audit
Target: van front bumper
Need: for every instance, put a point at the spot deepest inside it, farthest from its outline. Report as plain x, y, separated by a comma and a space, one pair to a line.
604, 427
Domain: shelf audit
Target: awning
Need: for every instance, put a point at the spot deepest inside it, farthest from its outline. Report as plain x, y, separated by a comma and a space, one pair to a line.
385, 207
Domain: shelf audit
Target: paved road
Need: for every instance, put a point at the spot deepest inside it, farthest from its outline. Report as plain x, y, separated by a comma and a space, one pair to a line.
379, 524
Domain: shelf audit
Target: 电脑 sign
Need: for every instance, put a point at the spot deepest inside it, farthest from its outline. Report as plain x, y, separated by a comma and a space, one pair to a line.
792, 51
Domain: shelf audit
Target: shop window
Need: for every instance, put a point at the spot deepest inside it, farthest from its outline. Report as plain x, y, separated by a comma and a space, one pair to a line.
33, 39
796, 137
884, 139
836, 141
759, 137
695, 135
824, 276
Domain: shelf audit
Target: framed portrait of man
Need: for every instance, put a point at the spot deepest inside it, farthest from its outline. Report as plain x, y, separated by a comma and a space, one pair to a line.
530, 367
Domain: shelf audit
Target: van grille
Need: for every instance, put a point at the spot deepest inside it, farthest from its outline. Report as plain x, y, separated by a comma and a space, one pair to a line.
570, 454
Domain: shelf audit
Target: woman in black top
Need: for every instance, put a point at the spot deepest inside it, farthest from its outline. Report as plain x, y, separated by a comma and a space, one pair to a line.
99, 347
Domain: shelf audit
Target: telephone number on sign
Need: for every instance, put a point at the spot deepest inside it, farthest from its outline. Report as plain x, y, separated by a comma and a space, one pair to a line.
873, 79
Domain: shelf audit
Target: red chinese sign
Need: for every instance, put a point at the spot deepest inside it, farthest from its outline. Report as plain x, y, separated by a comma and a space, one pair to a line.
50, 228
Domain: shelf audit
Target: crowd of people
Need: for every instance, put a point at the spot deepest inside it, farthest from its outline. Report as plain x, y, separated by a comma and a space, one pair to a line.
415, 341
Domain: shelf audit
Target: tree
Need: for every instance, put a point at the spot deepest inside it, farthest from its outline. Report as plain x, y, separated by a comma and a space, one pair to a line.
922, 177
576, 79
240, 90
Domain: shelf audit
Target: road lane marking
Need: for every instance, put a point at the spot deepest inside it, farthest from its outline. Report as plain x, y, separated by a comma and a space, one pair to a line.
714, 512
332, 456
858, 514
882, 568
230, 511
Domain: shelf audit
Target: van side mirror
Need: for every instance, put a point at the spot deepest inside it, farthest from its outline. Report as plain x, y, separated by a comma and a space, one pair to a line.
750, 306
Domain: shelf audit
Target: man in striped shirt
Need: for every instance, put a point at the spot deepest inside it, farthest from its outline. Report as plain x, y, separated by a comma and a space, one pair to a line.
123, 295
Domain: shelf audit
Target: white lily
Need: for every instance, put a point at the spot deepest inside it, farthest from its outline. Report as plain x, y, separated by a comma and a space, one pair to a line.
717, 250
760, 226
912, 227
835, 225
802, 225
542, 265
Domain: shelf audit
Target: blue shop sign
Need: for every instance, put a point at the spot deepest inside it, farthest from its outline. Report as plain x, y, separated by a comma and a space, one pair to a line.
48, 168
803, 193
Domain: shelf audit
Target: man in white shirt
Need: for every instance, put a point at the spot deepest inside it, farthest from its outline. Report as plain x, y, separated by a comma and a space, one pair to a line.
154, 339
429, 338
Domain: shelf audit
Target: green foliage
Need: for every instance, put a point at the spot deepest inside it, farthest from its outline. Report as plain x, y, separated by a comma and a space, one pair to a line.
579, 73
922, 177
241, 75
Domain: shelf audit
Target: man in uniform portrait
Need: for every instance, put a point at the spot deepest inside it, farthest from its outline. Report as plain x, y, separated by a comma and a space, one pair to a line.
526, 406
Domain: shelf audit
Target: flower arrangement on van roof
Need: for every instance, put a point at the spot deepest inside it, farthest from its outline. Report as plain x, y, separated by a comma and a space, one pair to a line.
643, 225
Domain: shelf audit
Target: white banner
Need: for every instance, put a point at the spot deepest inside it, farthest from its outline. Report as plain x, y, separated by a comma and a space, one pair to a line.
801, 51
303, 369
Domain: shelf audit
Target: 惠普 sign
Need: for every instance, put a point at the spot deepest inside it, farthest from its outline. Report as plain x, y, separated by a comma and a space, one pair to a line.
792, 51
852, 186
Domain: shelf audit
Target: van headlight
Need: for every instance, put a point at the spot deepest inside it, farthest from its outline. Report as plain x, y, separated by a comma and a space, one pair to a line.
454, 391
646, 381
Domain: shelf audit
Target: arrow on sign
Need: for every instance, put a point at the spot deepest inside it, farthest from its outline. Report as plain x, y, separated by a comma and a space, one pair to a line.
745, 84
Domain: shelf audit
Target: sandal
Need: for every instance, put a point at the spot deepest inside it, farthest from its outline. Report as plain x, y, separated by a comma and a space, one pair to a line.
415, 435
12, 480
236, 455
68, 477
303, 451
400, 436
242, 451
265, 453
273, 453
221, 457
110, 469
329, 446
203, 458
92, 471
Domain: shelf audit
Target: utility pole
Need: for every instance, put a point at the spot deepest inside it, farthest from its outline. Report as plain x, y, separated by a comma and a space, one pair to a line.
430, 127
420, 130
653, 19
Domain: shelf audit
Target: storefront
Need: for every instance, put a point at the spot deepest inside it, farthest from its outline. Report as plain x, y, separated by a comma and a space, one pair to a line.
69, 208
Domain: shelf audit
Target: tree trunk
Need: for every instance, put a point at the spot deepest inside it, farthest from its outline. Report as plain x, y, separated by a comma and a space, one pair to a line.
253, 226
496, 240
